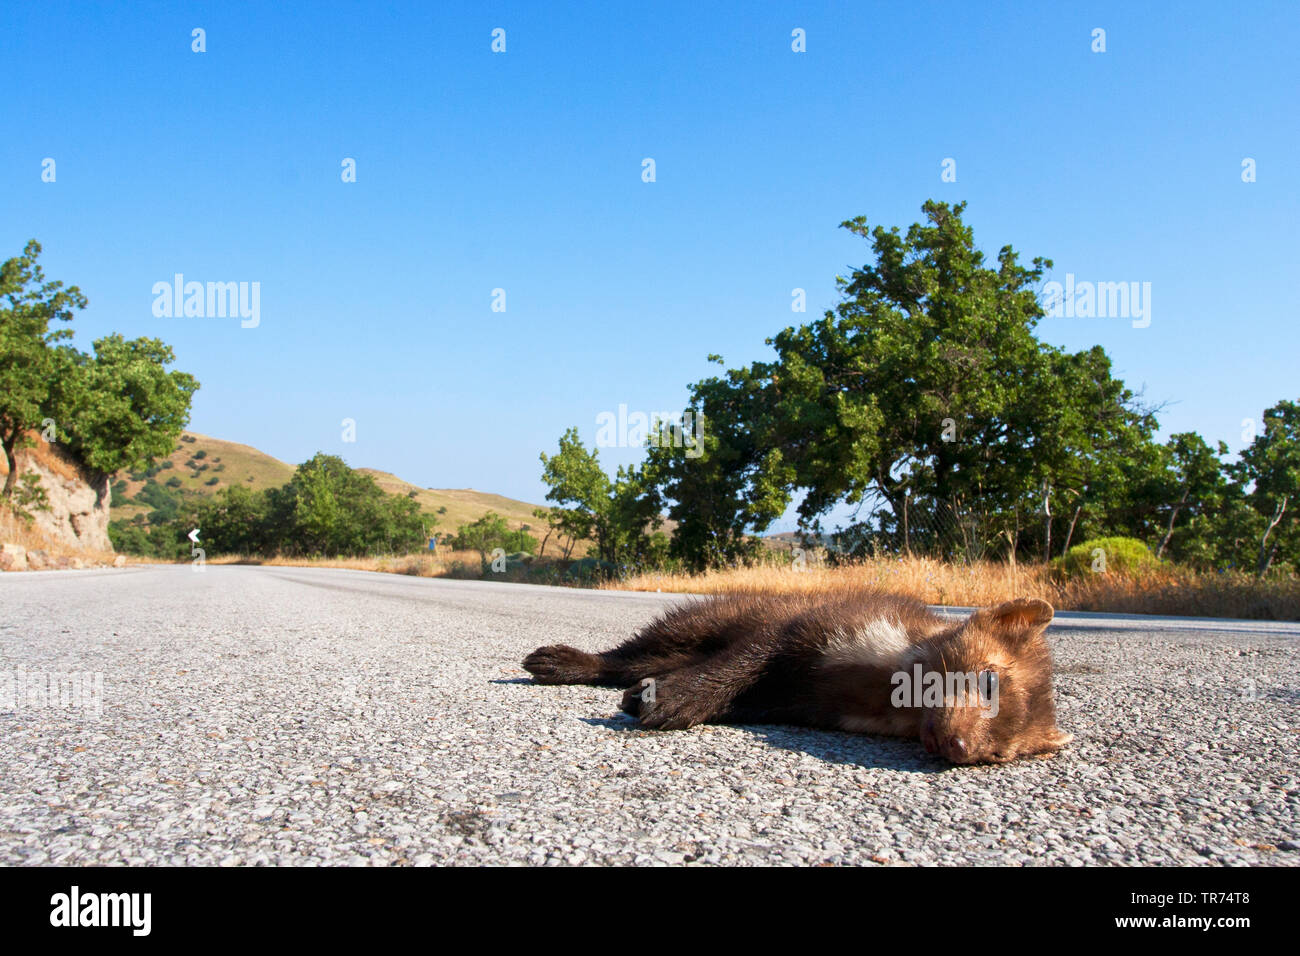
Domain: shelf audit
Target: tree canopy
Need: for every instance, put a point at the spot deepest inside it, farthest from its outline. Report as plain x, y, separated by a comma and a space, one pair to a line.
925, 401
117, 407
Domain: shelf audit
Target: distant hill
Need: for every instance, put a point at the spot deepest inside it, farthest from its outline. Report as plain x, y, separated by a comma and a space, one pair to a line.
199, 459
195, 462
463, 504
789, 540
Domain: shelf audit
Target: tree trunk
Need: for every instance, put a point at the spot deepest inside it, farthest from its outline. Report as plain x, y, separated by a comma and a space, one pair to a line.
1172, 517
907, 535
1047, 524
1266, 555
11, 457
1268, 562
1070, 534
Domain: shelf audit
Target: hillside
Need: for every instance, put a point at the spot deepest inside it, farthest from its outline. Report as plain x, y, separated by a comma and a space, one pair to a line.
463, 504
204, 465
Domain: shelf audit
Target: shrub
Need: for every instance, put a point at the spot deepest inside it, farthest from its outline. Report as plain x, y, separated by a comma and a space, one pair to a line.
129, 538
119, 496
483, 535
28, 497
592, 569
1124, 556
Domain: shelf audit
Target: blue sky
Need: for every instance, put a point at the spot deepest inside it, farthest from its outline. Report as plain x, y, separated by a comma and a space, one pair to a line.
523, 171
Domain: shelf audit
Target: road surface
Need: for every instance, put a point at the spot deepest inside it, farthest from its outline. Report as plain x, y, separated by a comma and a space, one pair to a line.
307, 716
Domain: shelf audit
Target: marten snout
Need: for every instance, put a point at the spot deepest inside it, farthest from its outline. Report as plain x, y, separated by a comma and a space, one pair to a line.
952, 746
959, 740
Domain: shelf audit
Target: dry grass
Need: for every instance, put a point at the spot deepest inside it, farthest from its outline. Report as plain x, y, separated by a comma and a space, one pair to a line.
14, 530
1169, 590
52, 457
454, 564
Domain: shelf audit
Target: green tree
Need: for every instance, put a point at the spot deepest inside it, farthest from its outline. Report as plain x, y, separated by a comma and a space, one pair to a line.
121, 407
924, 392
1271, 464
1195, 485
577, 481
29, 359
329, 509
621, 515
483, 535
117, 408
732, 478
927, 335
236, 521
1085, 442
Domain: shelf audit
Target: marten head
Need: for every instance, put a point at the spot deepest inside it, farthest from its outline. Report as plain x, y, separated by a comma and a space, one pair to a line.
1005, 708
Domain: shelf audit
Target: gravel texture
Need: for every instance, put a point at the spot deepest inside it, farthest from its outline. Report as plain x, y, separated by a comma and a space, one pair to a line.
303, 716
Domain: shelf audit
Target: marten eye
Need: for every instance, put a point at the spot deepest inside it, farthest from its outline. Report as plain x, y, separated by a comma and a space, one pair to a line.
988, 683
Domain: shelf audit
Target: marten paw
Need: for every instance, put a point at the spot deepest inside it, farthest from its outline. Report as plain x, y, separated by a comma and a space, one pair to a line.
659, 707
561, 664
635, 698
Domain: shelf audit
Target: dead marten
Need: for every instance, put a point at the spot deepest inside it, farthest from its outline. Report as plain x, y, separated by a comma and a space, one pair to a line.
978, 691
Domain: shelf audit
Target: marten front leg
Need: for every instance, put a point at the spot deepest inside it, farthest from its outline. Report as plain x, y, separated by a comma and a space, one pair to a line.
692, 695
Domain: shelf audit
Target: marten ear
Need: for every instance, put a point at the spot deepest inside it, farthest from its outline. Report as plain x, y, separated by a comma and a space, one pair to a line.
1021, 620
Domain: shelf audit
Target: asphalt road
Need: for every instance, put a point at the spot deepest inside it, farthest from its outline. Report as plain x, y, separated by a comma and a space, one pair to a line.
295, 716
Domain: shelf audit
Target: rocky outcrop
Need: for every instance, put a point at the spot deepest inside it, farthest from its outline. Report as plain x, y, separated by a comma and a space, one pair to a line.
13, 557
77, 517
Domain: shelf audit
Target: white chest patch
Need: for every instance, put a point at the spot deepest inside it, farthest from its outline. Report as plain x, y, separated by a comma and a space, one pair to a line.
878, 643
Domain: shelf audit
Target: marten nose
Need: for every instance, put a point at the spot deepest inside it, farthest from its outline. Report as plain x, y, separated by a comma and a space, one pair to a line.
957, 748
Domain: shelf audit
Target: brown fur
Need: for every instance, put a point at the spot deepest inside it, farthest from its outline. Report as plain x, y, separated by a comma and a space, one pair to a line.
830, 662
